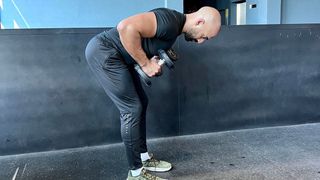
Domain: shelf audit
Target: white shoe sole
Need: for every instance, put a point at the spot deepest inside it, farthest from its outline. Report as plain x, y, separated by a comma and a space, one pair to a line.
163, 179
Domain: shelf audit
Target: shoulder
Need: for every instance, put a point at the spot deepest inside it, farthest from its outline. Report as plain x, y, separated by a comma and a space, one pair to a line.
166, 12
169, 23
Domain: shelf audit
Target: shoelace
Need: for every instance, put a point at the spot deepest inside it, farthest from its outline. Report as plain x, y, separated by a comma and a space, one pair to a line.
153, 161
148, 176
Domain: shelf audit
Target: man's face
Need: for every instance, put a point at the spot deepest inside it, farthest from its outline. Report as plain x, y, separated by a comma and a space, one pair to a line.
190, 36
196, 34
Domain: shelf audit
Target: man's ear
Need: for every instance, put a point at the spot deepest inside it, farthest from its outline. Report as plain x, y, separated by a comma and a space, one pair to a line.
200, 21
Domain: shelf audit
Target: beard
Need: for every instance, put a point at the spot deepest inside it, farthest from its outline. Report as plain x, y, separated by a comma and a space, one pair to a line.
188, 36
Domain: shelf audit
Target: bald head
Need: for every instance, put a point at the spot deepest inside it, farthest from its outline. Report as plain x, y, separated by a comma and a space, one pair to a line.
202, 24
211, 17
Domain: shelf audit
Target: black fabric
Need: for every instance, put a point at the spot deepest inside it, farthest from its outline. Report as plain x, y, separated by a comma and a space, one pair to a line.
169, 26
112, 65
123, 86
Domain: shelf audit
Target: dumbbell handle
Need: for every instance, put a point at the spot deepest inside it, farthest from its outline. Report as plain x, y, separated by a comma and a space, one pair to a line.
163, 59
145, 77
161, 62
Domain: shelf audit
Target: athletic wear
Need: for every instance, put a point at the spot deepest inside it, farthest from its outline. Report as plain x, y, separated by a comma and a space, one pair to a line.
155, 165
113, 67
145, 156
169, 27
136, 172
122, 84
144, 175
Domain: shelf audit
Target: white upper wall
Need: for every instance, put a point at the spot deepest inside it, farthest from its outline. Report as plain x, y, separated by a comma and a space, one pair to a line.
75, 13
300, 11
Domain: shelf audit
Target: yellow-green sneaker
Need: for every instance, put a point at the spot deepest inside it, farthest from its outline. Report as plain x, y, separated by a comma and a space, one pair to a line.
144, 175
156, 165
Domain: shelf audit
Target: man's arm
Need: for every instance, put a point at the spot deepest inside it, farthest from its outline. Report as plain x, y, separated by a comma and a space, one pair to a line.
132, 29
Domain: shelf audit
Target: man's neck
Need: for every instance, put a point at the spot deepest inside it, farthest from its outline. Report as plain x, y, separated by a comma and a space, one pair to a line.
187, 24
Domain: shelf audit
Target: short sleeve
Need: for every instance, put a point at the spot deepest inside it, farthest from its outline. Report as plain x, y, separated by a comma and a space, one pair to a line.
168, 24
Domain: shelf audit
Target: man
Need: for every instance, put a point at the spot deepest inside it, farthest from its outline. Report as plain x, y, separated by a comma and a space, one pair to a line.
111, 56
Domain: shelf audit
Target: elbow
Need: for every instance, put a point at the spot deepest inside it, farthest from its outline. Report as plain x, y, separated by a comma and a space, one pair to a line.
121, 26
125, 27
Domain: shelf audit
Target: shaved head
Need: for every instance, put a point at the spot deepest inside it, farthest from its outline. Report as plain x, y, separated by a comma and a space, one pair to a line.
202, 24
212, 18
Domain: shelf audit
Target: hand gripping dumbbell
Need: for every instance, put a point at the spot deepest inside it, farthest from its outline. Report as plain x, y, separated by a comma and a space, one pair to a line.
164, 59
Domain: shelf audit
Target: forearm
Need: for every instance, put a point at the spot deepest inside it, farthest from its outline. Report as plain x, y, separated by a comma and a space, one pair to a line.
131, 41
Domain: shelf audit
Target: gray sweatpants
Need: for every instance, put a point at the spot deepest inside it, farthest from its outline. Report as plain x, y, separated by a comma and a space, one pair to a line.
123, 86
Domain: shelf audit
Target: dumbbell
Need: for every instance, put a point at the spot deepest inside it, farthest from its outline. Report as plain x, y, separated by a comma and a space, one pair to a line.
172, 54
164, 59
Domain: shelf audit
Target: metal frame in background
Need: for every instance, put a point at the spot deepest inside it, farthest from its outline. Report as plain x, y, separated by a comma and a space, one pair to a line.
0, 15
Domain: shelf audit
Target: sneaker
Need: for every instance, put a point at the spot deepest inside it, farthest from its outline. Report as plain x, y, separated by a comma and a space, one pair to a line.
144, 175
156, 165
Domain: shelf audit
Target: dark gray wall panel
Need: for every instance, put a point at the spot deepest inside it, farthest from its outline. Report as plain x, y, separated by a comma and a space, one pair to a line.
49, 99
250, 76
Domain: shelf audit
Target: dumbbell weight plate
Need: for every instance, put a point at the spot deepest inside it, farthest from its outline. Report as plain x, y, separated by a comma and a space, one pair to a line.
172, 55
163, 55
142, 75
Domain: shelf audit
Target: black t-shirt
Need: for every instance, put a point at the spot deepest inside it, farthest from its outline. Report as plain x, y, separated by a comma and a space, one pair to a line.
169, 27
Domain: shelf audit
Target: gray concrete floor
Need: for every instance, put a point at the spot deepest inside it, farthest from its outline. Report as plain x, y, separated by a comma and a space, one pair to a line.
290, 152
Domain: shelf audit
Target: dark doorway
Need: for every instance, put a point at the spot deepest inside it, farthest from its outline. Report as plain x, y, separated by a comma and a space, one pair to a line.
222, 6
192, 5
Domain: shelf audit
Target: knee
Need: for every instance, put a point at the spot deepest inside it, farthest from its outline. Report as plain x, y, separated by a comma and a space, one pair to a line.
132, 113
137, 109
